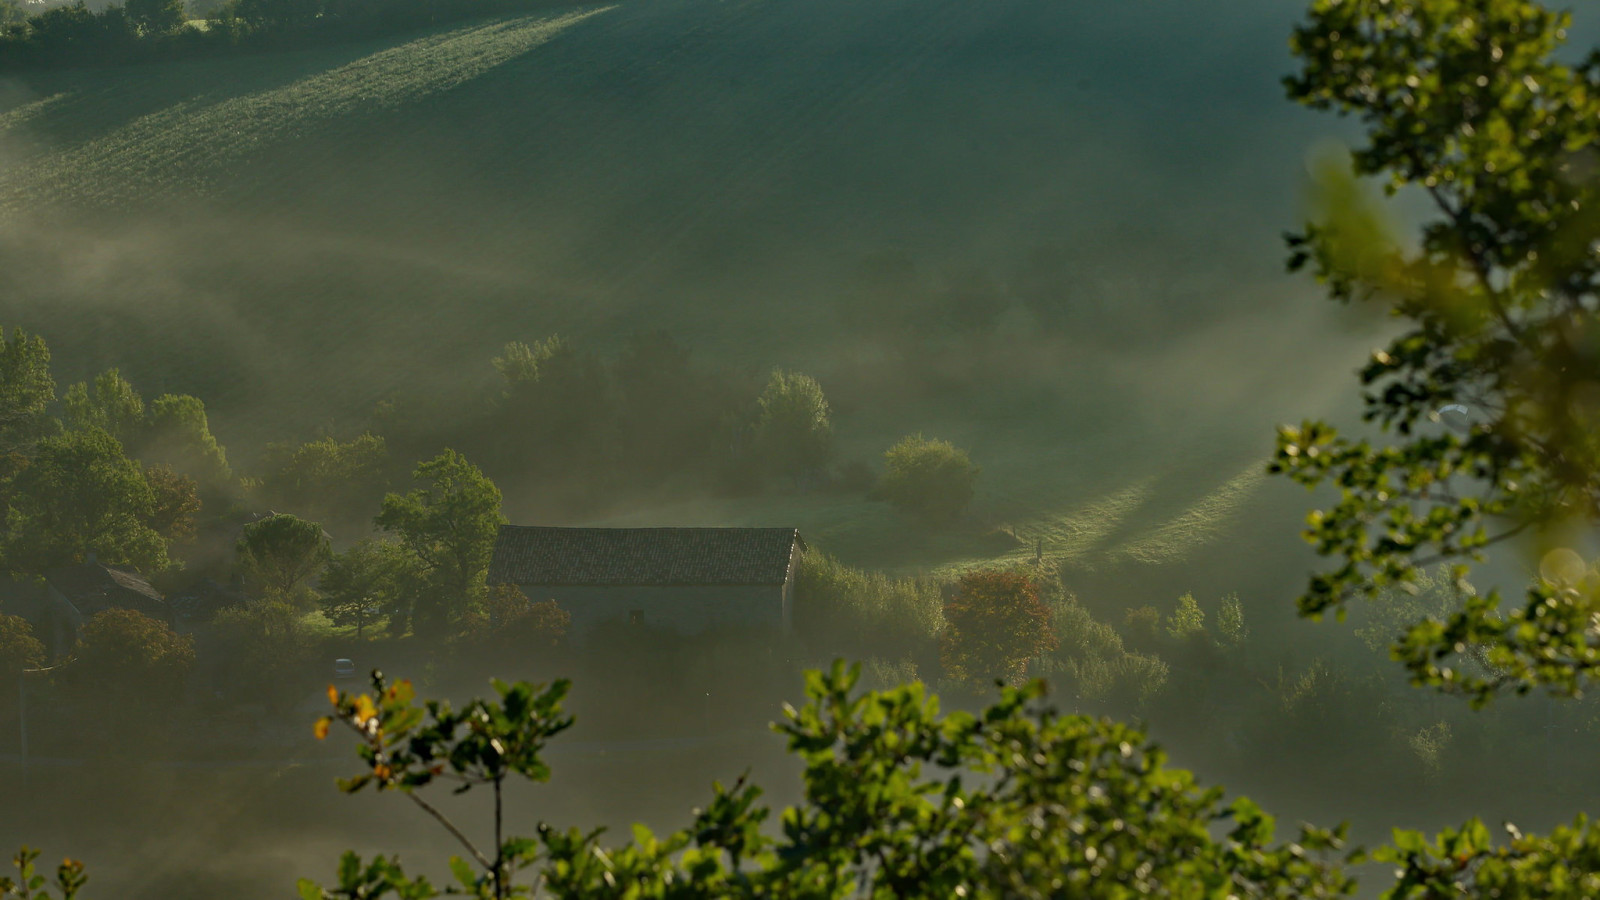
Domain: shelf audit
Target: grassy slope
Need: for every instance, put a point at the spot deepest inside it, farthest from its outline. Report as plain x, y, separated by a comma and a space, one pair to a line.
290, 236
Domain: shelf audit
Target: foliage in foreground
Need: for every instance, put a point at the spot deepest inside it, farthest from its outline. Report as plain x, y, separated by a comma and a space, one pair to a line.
900, 801
1470, 105
31, 884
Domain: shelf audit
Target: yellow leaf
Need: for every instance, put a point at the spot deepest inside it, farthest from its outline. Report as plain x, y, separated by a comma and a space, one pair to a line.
333, 695
365, 711
321, 728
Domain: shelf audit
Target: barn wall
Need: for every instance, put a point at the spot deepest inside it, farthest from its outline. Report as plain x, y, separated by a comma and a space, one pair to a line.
688, 609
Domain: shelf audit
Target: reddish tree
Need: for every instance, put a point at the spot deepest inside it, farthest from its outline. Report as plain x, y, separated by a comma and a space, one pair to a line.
994, 624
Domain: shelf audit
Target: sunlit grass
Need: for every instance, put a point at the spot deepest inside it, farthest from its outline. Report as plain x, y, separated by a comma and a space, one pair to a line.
1181, 537
189, 145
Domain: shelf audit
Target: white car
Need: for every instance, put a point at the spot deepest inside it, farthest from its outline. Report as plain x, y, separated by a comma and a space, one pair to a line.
344, 668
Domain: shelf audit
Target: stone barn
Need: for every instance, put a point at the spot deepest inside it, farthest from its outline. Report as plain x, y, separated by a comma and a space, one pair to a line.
682, 579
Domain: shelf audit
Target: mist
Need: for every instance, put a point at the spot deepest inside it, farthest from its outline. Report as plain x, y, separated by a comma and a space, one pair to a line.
1049, 233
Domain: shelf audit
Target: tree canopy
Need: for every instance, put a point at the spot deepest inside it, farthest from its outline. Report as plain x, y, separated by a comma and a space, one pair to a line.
900, 801
81, 493
794, 424
449, 525
26, 388
282, 552
995, 624
1470, 106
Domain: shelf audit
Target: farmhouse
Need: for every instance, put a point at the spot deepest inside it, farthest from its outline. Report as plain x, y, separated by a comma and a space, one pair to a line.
58, 604
684, 579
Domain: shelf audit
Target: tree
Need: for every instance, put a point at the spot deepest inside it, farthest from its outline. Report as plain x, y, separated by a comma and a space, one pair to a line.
279, 15
178, 435
110, 404
326, 479
281, 553
371, 578
995, 624
155, 17
175, 503
1188, 620
19, 648
928, 478
81, 493
129, 664
26, 389
1468, 105
793, 427
1230, 621
899, 801
518, 621
266, 652
449, 525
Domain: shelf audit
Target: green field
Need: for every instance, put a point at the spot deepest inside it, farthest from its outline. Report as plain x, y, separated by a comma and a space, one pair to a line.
292, 236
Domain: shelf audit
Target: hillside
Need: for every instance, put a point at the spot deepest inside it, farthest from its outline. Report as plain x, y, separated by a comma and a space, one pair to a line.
293, 236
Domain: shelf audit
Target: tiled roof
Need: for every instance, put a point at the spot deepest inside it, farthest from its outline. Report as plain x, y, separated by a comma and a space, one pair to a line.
537, 554
92, 587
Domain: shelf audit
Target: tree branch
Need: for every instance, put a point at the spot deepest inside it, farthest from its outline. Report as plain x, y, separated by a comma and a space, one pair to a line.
450, 827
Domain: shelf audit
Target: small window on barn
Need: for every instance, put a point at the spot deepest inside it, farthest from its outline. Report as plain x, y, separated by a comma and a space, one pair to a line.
635, 617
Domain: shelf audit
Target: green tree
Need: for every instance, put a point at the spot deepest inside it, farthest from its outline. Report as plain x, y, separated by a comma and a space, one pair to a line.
1466, 103
1187, 620
26, 389
79, 493
794, 427
110, 404
178, 435
1230, 621
1099, 668
1469, 104
449, 525
371, 578
266, 651
155, 17
995, 623
325, 479
929, 478
899, 801
281, 553
19, 648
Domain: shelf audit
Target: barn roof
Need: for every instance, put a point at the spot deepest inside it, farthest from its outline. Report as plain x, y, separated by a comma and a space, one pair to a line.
546, 555
93, 587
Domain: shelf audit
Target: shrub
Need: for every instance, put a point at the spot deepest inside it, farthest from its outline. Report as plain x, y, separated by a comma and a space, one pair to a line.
516, 620
1230, 621
931, 479
1101, 670
19, 649
867, 613
1187, 620
1143, 627
995, 624
794, 427
267, 651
